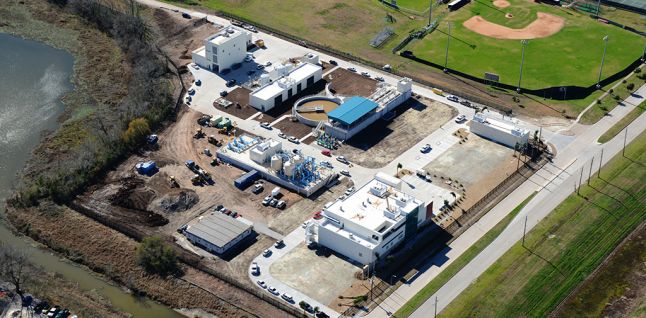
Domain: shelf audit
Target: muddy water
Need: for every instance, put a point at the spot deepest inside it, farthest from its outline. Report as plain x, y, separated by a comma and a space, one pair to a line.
33, 77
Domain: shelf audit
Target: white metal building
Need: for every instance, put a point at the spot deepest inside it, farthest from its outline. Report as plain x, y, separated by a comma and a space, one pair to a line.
217, 232
291, 82
223, 49
371, 221
500, 131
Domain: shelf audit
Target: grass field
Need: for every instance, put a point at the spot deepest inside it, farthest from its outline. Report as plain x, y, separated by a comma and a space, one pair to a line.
420, 6
458, 264
563, 248
610, 101
623, 123
570, 57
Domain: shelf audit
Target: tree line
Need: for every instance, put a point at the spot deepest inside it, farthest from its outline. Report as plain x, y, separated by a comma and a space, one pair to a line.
108, 141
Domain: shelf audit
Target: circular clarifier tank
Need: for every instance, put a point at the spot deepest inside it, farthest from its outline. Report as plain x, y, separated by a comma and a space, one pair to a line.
313, 109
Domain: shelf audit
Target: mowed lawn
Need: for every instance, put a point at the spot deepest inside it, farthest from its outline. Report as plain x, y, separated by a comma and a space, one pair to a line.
420, 6
564, 248
570, 57
343, 25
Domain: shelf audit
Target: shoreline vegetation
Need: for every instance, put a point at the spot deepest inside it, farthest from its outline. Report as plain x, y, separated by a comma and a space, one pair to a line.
125, 88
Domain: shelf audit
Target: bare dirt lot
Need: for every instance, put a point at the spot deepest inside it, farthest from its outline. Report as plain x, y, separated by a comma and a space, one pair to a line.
291, 128
181, 36
478, 164
240, 108
381, 142
347, 83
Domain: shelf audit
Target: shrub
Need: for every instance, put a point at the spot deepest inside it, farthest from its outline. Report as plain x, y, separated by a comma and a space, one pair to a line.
638, 70
156, 256
630, 86
137, 131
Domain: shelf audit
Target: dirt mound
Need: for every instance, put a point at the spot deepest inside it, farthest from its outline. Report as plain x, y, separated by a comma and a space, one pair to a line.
179, 201
501, 3
544, 26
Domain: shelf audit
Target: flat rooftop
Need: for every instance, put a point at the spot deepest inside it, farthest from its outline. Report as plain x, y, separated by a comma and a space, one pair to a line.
201, 51
224, 36
298, 74
499, 124
367, 204
217, 228
352, 109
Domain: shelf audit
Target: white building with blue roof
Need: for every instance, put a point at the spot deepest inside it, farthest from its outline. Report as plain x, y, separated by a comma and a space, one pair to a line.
356, 113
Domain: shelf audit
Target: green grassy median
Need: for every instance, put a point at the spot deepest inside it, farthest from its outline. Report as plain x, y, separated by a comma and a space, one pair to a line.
458, 264
564, 248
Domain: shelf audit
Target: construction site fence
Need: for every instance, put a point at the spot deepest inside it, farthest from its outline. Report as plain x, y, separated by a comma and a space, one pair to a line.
486, 203
339, 54
556, 92
382, 289
188, 258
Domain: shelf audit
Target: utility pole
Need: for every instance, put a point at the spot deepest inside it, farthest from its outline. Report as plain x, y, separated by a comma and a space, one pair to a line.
580, 179
446, 55
435, 314
603, 58
590, 173
524, 231
600, 162
644, 54
523, 43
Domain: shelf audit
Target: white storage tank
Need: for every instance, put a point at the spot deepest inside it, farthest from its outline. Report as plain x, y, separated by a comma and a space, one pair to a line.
276, 163
289, 169
297, 159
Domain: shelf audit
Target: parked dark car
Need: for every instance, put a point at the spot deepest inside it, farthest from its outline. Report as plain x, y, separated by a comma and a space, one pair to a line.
231, 83
186, 15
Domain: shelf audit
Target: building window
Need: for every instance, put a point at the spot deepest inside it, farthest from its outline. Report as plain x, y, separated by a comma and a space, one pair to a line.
360, 255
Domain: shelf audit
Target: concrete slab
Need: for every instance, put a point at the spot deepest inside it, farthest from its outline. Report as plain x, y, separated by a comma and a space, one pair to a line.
323, 278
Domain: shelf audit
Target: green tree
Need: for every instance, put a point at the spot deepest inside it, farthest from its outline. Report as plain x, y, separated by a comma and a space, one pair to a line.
137, 131
156, 256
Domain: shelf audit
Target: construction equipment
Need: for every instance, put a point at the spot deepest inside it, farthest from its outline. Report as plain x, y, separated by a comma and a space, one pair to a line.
214, 162
198, 133
173, 182
260, 43
196, 179
212, 140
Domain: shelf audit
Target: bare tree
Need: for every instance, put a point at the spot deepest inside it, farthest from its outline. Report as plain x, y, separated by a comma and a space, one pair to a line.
13, 266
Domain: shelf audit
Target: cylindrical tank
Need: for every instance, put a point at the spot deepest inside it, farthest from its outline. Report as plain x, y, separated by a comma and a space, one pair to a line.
297, 159
264, 79
276, 163
289, 169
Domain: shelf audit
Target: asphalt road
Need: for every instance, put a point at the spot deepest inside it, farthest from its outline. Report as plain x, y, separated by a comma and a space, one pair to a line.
574, 158
553, 183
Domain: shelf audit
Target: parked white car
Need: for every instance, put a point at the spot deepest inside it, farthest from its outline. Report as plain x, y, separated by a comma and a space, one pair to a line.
255, 269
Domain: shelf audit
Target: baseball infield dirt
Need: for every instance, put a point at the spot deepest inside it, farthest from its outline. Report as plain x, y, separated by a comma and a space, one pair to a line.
501, 3
544, 26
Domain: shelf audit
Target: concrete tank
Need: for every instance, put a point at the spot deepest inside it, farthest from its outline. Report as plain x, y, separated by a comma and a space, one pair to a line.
276, 163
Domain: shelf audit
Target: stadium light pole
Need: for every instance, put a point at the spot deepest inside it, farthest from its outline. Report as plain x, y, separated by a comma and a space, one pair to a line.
603, 58
446, 54
522, 61
430, 12
598, 5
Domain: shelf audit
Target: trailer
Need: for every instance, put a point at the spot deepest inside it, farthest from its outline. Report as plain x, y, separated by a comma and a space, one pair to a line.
247, 179
457, 4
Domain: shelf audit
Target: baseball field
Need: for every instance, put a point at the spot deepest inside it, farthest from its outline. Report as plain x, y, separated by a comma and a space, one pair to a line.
564, 47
